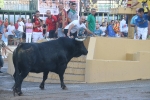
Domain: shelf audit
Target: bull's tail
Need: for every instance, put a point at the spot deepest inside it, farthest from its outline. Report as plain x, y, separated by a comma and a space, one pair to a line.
16, 56
15, 59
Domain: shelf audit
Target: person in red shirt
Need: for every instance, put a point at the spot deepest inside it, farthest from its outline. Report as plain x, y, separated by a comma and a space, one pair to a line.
51, 24
37, 27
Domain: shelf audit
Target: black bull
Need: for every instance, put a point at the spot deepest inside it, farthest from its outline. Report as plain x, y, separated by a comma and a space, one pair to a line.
44, 57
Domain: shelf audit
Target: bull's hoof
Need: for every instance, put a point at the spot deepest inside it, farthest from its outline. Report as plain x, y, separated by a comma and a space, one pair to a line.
41, 87
64, 88
19, 93
14, 90
13, 87
14, 93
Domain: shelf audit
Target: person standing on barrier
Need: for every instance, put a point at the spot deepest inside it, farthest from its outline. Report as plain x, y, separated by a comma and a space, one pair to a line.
37, 27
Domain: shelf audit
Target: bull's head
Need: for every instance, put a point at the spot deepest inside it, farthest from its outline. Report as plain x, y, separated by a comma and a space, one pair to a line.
80, 48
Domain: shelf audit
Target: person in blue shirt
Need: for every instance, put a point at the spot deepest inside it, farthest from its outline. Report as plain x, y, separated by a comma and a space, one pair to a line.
98, 31
110, 31
141, 23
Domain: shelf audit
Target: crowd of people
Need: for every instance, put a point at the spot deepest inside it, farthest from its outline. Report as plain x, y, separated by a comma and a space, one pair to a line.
65, 24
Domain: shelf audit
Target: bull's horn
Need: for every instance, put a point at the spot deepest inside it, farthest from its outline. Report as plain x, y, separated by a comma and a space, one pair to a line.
77, 39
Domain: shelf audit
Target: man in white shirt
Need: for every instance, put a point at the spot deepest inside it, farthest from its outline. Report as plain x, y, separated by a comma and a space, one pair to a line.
11, 29
73, 28
124, 28
20, 29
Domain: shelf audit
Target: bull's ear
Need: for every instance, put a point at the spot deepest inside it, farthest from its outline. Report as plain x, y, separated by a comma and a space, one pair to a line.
77, 39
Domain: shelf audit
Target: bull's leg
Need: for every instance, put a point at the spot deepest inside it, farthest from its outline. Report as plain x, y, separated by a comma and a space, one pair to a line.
63, 86
14, 75
61, 70
45, 74
19, 81
61, 76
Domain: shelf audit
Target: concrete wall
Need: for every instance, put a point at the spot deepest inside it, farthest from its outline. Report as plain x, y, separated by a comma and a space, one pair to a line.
117, 59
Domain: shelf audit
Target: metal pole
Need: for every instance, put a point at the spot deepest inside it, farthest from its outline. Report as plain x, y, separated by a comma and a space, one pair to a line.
8, 16
14, 17
3, 15
80, 12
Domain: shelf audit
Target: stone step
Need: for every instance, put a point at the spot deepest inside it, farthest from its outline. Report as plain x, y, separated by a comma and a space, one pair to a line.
53, 76
37, 79
79, 59
76, 64
78, 71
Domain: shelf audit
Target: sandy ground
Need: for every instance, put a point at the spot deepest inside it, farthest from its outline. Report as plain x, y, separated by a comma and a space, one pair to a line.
129, 90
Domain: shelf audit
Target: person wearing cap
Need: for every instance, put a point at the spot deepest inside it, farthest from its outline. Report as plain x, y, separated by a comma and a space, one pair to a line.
2, 45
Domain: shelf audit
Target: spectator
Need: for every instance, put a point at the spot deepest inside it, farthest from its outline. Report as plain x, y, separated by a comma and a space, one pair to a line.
87, 8
16, 25
1, 20
110, 31
23, 20
2, 27
72, 14
6, 22
11, 29
29, 30
11, 33
116, 28
133, 24
123, 28
69, 6
103, 28
98, 31
73, 28
5, 39
2, 44
91, 20
51, 24
62, 20
45, 33
20, 29
146, 6
142, 24
37, 27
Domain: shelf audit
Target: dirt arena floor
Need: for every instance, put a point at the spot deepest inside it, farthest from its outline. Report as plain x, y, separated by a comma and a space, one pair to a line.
129, 90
